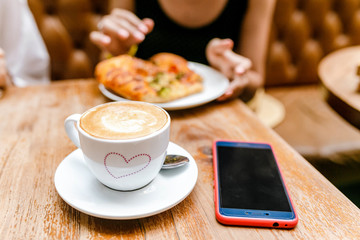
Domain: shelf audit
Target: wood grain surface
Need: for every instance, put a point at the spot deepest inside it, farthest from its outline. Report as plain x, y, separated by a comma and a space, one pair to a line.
33, 143
318, 133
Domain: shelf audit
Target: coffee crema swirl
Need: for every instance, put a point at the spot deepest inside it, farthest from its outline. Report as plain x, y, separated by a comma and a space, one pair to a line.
123, 120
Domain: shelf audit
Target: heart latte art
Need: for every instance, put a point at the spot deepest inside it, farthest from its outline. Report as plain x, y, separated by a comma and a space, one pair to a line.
123, 120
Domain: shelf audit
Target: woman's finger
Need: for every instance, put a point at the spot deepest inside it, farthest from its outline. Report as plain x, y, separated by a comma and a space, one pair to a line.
222, 45
216, 48
112, 27
239, 63
133, 21
235, 88
149, 24
100, 39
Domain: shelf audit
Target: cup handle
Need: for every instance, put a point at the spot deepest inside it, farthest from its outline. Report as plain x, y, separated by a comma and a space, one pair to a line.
71, 129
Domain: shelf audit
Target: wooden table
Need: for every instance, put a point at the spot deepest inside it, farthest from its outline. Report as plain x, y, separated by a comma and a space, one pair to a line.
339, 74
33, 143
318, 133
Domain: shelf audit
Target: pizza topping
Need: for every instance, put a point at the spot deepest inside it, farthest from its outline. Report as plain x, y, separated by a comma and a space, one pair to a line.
164, 91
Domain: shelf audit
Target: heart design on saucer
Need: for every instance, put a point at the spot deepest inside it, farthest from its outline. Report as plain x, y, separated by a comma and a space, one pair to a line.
118, 166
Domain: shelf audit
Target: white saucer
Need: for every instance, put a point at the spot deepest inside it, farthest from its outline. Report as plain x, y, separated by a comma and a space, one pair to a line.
80, 189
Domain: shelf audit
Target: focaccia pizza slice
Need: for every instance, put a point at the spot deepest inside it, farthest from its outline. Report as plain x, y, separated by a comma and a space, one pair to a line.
164, 78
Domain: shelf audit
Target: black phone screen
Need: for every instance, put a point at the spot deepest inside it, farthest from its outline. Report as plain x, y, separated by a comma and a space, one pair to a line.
249, 179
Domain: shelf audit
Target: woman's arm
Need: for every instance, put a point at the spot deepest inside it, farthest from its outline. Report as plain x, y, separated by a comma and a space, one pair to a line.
246, 66
253, 45
255, 33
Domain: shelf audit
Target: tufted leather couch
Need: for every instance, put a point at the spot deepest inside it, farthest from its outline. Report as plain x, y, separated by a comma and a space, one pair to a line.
65, 26
303, 32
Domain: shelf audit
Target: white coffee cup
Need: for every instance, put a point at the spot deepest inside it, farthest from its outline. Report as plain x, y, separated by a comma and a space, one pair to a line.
124, 143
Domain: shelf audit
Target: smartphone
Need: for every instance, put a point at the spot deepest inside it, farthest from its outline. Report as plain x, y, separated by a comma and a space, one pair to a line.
249, 188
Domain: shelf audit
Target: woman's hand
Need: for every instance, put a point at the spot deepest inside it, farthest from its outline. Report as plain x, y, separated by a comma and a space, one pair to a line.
235, 67
120, 30
4, 75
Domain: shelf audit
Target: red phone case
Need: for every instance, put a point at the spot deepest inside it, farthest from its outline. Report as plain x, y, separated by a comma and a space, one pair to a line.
248, 221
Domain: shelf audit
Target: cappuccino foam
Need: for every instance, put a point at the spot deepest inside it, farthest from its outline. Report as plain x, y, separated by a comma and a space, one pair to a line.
123, 120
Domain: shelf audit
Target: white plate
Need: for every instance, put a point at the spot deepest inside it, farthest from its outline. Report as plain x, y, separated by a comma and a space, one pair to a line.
215, 85
80, 189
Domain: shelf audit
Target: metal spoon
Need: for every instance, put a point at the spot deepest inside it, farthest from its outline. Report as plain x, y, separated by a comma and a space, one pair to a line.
174, 161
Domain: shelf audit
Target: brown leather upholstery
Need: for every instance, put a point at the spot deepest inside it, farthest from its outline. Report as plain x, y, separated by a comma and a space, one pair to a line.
303, 32
65, 26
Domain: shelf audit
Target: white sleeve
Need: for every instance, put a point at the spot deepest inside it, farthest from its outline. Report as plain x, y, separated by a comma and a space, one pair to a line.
25, 52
